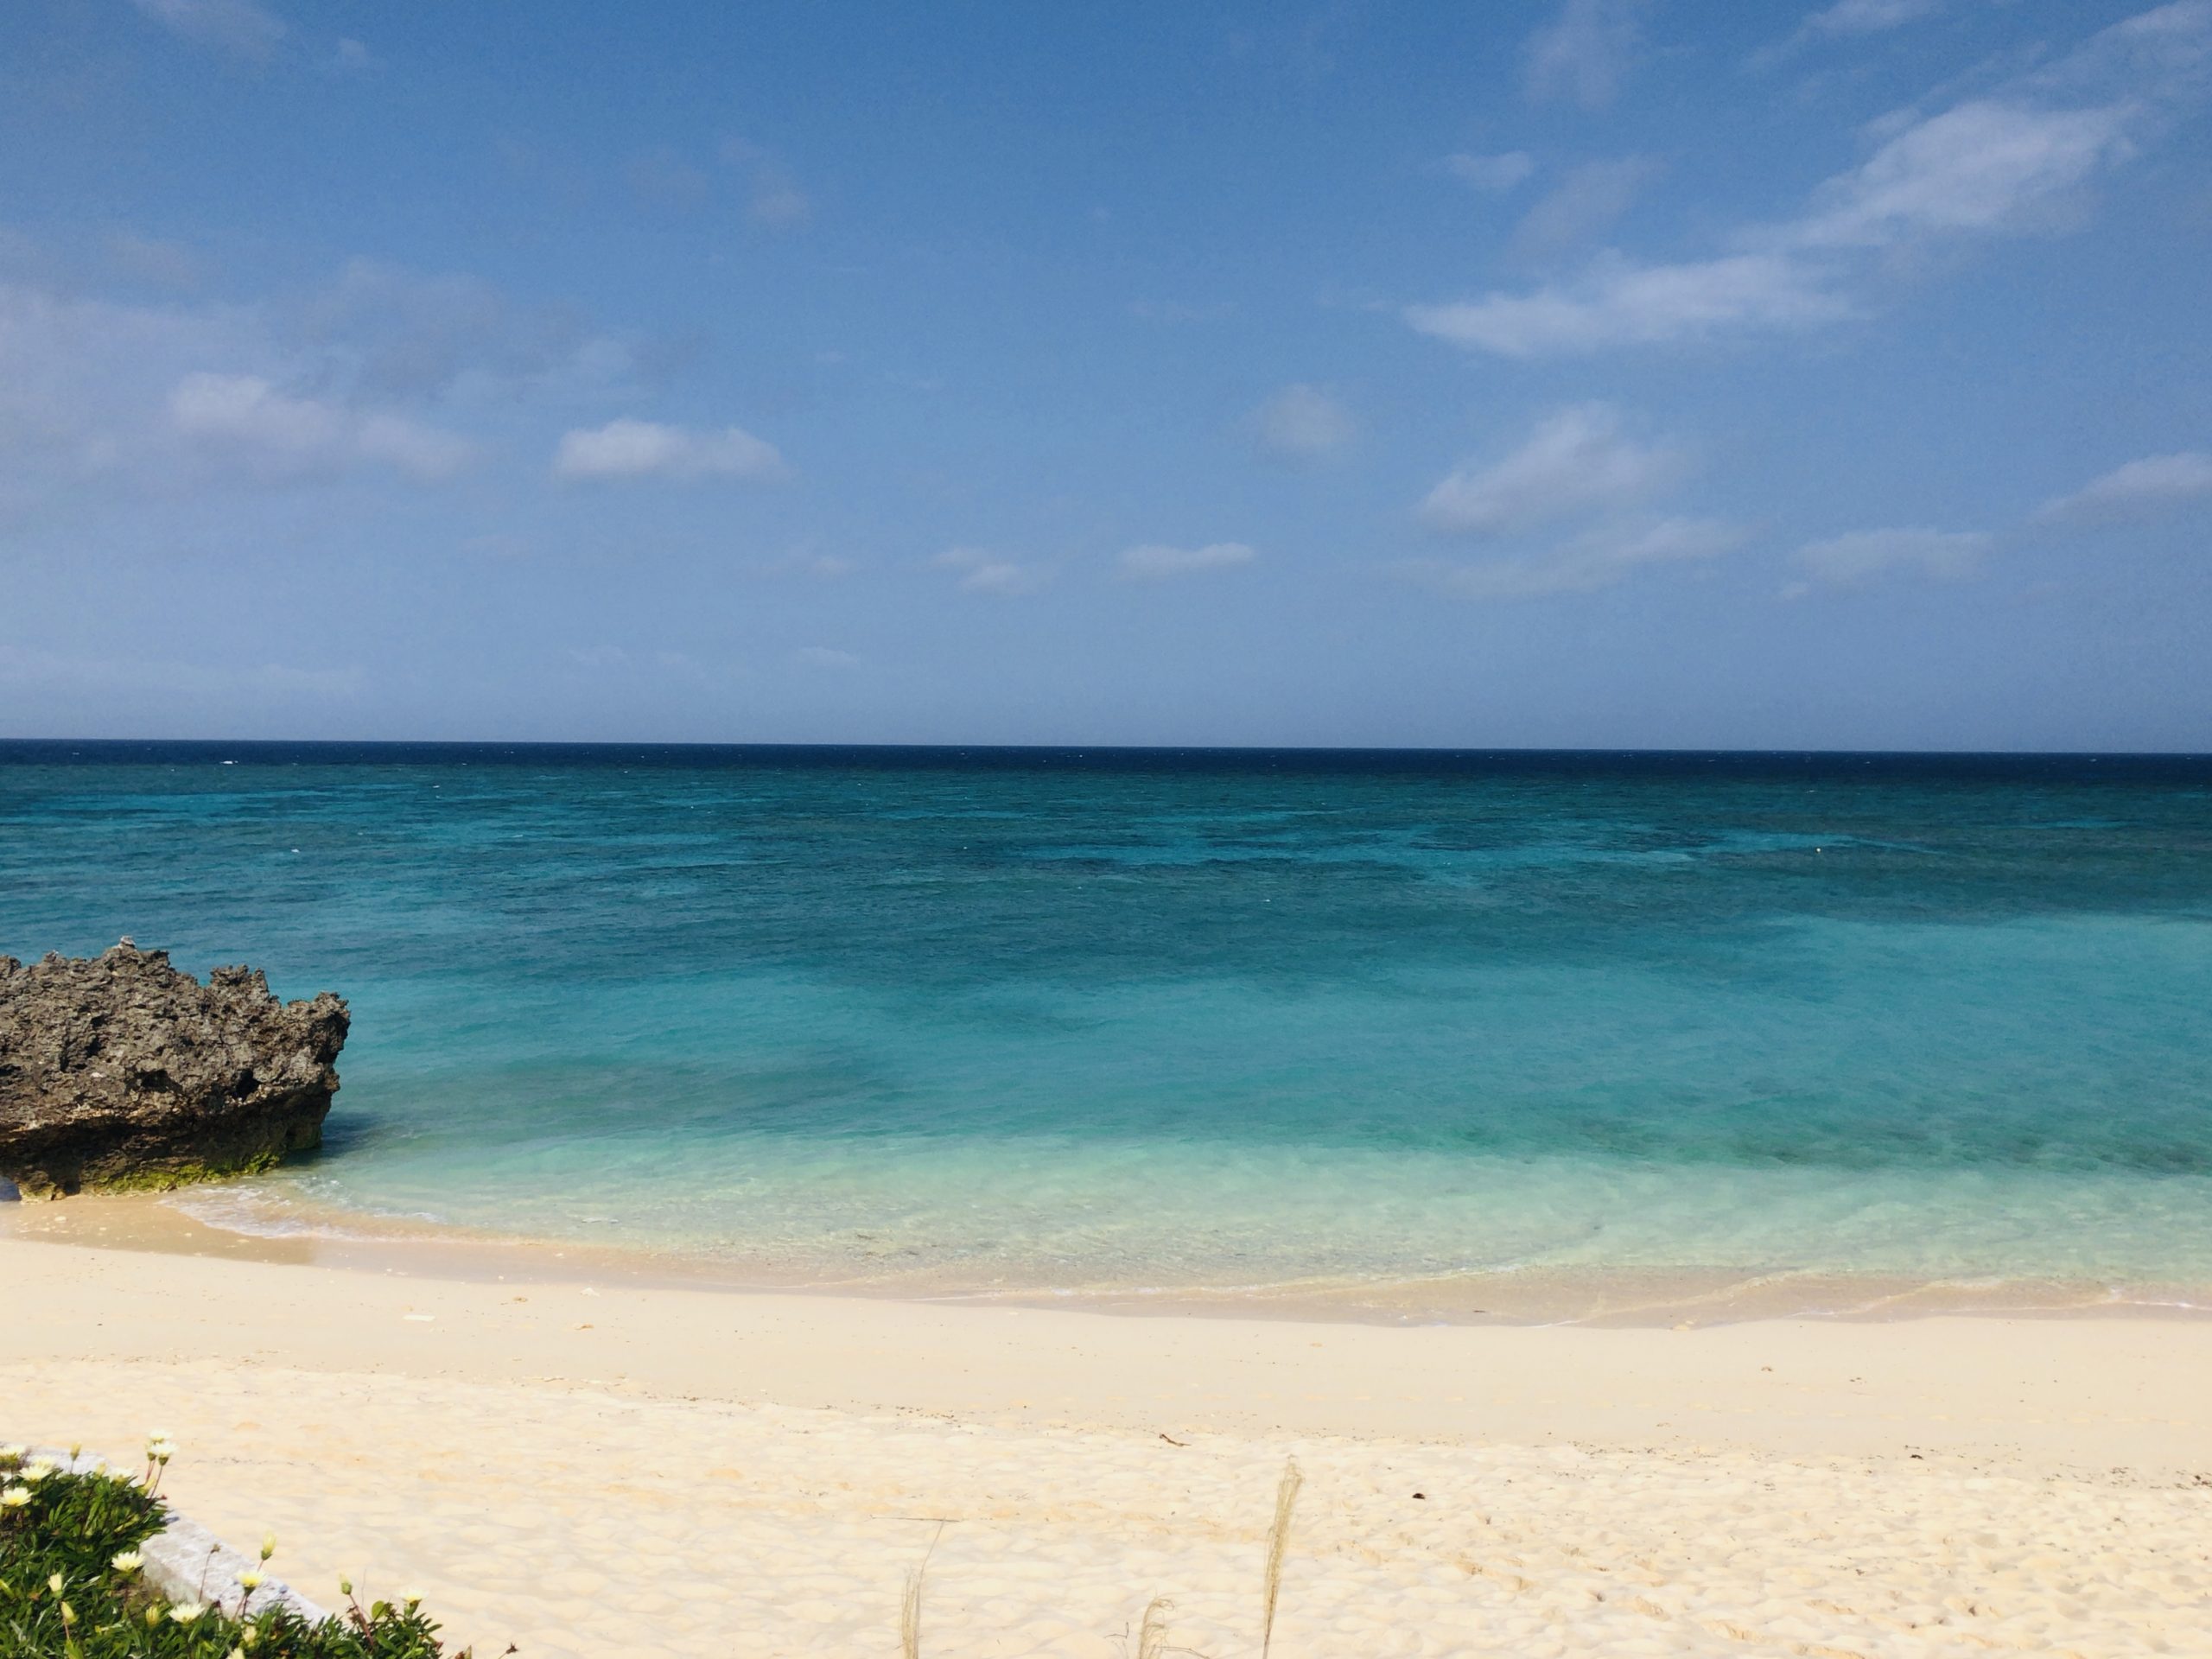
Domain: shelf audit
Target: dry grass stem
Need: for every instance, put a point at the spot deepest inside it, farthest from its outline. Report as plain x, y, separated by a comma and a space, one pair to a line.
1278, 1542
909, 1605
1151, 1634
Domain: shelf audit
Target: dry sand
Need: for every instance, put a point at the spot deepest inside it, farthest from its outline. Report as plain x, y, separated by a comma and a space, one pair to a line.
619, 1467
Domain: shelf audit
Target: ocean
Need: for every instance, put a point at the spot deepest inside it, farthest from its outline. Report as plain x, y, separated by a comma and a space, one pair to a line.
1412, 1034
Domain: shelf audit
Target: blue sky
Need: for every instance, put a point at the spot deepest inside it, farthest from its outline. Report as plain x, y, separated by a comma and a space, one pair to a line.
1612, 372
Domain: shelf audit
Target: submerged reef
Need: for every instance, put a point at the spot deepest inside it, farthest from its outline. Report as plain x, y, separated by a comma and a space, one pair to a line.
119, 1072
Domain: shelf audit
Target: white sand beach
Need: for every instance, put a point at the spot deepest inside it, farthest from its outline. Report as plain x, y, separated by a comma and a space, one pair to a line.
580, 1467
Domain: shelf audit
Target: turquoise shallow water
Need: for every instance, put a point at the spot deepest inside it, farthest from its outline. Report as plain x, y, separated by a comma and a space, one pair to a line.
1104, 1021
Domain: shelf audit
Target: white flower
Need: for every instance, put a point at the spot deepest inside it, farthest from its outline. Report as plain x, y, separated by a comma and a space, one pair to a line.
54, 1582
38, 1470
12, 1454
412, 1598
251, 1580
15, 1498
186, 1614
128, 1561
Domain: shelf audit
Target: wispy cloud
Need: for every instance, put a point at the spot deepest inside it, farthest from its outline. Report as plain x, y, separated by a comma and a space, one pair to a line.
1864, 557
1302, 424
1584, 52
1618, 302
627, 449
395, 332
1575, 463
2142, 489
1846, 19
164, 681
2016, 161
1494, 174
1581, 469
982, 572
237, 27
774, 198
243, 418
825, 657
1582, 206
1870, 16
1598, 558
1155, 563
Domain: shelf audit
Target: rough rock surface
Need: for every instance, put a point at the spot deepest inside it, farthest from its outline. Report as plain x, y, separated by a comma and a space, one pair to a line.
119, 1070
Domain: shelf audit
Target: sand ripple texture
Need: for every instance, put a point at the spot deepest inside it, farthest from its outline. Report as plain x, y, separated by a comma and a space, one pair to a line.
571, 1522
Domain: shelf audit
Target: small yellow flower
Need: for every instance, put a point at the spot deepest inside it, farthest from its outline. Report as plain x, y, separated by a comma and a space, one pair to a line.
412, 1598
128, 1561
54, 1582
15, 1498
37, 1470
153, 1614
267, 1545
186, 1614
345, 1586
68, 1614
251, 1580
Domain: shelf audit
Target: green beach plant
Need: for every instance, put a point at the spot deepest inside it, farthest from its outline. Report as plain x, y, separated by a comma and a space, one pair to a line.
73, 1581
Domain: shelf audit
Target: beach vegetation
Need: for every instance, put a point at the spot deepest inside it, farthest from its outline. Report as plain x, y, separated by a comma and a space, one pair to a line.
74, 1582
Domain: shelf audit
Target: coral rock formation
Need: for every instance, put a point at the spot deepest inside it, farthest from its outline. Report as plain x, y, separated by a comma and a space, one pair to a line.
119, 1070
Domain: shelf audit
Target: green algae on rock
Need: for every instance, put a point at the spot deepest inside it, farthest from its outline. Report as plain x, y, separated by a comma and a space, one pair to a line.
120, 1072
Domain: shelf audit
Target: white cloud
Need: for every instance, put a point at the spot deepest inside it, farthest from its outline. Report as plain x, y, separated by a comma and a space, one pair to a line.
635, 450
1155, 562
1619, 303
1577, 466
1583, 54
825, 657
1584, 203
2017, 161
1982, 167
1598, 558
234, 26
1863, 556
1495, 173
243, 417
1575, 463
2141, 489
987, 573
1302, 423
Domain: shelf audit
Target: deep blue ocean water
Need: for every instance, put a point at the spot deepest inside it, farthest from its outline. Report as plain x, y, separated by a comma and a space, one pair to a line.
1107, 1019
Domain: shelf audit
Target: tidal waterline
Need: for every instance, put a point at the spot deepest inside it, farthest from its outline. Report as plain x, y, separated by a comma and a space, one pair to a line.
1242, 1022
